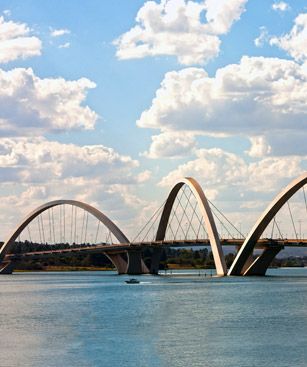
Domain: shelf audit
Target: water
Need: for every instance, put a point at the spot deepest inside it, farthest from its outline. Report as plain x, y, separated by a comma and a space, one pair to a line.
95, 319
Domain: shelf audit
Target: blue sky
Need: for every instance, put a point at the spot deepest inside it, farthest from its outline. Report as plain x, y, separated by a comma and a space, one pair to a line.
111, 102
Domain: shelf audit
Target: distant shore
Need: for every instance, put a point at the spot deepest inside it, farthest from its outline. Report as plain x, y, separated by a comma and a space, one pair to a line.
65, 268
92, 268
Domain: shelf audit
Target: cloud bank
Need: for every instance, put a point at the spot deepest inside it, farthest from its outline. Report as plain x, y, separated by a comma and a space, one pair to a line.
31, 105
259, 98
189, 30
16, 41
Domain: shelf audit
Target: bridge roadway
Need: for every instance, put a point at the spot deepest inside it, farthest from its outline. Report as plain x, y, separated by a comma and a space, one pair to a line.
261, 244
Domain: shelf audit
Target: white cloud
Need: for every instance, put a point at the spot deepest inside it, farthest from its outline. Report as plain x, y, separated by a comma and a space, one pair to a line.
65, 45
257, 97
34, 160
263, 37
120, 203
294, 42
170, 145
31, 105
260, 147
177, 27
214, 167
280, 6
283, 143
16, 41
221, 14
235, 183
59, 32
268, 174
7, 12
40, 170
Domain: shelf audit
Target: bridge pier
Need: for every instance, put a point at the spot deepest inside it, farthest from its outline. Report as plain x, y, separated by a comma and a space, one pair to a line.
155, 260
136, 264
247, 263
263, 261
6, 267
118, 260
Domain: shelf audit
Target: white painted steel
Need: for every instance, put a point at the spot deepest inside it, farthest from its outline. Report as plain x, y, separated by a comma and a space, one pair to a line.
95, 212
250, 242
204, 207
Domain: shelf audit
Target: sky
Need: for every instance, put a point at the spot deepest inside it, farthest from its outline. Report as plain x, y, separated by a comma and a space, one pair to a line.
111, 102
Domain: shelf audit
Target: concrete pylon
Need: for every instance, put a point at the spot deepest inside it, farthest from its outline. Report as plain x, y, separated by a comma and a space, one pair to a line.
136, 264
261, 264
118, 260
6, 267
155, 261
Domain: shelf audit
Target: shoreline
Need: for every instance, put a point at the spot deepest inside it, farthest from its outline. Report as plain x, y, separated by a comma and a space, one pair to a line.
90, 268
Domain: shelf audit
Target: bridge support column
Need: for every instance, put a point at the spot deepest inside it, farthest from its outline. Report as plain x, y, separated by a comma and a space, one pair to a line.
6, 267
248, 262
155, 260
261, 264
135, 263
118, 260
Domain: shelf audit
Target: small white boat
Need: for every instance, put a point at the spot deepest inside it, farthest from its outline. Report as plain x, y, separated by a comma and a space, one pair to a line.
132, 281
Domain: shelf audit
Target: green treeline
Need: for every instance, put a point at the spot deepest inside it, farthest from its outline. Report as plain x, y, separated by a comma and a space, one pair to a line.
69, 261
186, 258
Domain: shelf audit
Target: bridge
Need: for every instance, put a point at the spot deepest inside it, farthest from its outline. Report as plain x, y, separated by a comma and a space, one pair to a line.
186, 218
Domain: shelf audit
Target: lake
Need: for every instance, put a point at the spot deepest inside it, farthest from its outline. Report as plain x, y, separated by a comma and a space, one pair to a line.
95, 319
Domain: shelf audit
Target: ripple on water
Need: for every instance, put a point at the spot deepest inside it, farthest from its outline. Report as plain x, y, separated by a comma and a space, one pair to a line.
95, 319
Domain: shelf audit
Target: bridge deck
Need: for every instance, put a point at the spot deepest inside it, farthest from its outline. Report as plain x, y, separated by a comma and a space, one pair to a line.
262, 243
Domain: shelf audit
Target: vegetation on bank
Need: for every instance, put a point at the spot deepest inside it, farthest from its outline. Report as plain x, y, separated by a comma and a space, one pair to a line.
171, 258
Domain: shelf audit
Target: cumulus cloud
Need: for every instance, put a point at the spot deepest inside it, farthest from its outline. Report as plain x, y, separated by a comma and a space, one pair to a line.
34, 160
241, 188
59, 32
65, 45
231, 176
170, 145
189, 30
269, 173
214, 166
262, 38
7, 12
257, 97
39, 170
280, 6
120, 203
294, 42
16, 41
31, 105
259, 147
280, 143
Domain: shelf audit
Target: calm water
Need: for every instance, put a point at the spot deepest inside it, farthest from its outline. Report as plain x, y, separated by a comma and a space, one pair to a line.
95, 319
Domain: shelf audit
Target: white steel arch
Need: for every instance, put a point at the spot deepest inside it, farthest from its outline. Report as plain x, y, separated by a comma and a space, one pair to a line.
95, 212
247, 248
204, 207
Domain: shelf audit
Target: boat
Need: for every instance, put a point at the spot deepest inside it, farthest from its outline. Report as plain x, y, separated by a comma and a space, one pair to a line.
132, 281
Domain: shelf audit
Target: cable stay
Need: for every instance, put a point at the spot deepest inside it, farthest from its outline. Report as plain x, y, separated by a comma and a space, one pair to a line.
64, 238
155, 215
29, 233
97, 231
42, 224
71, 222
85, 235
228, 221
39, 230
295, 233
